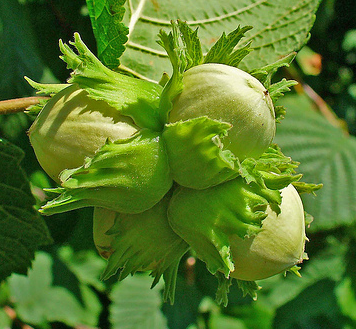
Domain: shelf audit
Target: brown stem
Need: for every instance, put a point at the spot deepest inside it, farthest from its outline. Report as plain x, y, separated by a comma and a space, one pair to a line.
19, 104
324, 108
319, 102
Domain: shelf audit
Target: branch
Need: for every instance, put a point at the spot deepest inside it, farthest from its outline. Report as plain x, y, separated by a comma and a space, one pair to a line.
19, 104
324, 108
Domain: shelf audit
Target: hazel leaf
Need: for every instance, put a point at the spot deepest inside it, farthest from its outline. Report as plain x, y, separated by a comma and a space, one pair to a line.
196, 154
22, 230
280, 27
129, 175
109, 31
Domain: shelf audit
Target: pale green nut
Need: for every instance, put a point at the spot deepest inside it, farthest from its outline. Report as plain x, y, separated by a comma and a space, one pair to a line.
277, 247
228, 94
73, 126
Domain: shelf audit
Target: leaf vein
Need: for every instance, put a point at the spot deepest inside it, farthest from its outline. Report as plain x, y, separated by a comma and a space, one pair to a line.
164, 22
146, 49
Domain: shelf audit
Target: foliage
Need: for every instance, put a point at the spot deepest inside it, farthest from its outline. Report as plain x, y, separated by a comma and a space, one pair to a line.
63, 283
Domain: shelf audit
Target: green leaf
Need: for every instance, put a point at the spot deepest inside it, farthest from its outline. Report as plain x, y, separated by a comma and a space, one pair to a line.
196, 154
346, 298
22, 230
134, 305
146, 242
37, 301
5, 320
280, 27
220, 321
223, 50
18, 53
316, 307
133, 97
85, 264
206, 218
110, 34
326, 155
328, 264
128, 175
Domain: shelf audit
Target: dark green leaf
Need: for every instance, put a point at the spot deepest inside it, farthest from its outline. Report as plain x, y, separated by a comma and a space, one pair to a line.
110, 33
326, 156
316, 307
18, 54
87, 265
22, 230
346, 298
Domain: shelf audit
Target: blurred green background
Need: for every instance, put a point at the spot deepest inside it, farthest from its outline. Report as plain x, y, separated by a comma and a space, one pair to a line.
63, 289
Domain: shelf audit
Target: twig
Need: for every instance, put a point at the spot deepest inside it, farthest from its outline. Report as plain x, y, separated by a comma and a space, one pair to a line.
324, 108
19, 104
320, 104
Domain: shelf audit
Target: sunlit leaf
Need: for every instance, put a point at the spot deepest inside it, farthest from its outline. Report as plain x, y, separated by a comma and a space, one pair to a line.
280, 27
37, 301
135, 306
